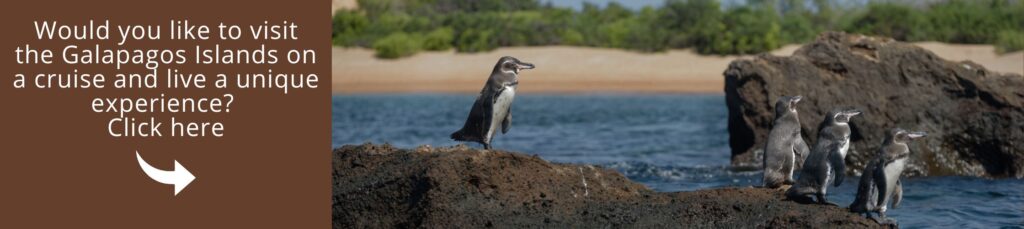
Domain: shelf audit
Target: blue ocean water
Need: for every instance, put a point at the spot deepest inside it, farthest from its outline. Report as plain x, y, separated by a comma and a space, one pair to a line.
667, 142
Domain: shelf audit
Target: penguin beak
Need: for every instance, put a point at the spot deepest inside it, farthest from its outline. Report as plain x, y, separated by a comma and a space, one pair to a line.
852, 112
796, 99
918, 134
523, 65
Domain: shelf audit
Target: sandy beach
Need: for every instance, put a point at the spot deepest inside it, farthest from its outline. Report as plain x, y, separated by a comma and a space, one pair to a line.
562, 69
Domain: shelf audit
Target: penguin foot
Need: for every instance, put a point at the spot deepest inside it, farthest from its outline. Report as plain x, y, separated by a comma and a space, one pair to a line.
800, 199
891, 222
887, 222
823, 201
875, 218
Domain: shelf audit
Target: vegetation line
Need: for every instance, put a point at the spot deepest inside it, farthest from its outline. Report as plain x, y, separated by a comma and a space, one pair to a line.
399, 28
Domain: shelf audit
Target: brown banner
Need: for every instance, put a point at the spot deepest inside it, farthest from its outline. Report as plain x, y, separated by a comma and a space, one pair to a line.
60, 168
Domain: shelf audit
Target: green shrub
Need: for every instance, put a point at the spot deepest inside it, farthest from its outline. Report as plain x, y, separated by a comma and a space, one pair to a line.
645, 34
613, 35
798, 28
639, 32
1010, 41
900, 22
572, 37
693, 23
347, 26
397, 22
439, 40
955, 21
743, 30
475, 41
958, 21
396, 45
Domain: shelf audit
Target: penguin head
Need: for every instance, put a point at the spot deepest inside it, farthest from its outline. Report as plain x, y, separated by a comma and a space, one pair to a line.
786, 104
899, 135
842, 116
511, 65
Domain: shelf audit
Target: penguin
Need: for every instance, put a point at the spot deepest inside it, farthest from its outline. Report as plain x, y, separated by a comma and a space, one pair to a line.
880, 180
826, 162
785, 149
492, 109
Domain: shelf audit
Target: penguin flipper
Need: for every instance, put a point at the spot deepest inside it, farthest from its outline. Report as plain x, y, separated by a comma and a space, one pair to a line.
801, 150
838, 164
507, 122
897, 195
881, 183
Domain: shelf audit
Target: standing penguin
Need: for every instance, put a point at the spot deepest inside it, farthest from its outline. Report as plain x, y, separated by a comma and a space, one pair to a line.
883, 173
493, 107
827, 160
785, 149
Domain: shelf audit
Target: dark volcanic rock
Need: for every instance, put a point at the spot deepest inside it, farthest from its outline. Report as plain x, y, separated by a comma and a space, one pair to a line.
974, 117
378, 186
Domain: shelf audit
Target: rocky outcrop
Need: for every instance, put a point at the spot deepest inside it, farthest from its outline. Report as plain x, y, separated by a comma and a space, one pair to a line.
378, 186
974, 117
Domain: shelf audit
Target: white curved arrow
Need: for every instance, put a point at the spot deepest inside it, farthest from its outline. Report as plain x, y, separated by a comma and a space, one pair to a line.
179, 177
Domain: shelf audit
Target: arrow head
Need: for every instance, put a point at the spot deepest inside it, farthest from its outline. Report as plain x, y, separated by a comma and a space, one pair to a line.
182, 177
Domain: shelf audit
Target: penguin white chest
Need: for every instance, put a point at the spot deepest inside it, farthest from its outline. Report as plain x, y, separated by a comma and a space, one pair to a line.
892, 174
844, 147
500, 110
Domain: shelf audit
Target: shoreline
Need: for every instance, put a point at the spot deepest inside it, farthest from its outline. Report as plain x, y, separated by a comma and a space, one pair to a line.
604, 88
580, 70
